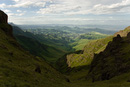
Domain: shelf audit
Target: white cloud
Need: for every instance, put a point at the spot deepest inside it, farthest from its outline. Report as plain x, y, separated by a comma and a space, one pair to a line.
19, 11
108, 9
28, 4
16, 0
72, 7
58, 8
63, 10
3, 5
25, 3
7, 11
13, 14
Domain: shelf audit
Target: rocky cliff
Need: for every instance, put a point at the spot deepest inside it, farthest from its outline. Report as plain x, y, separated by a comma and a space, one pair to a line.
4, 24
113, 61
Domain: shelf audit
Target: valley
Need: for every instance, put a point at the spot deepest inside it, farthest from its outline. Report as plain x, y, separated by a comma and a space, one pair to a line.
52, 44
56, 56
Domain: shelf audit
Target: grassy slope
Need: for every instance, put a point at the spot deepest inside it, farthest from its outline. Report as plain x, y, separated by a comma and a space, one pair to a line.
50, 54
17, 67
78, 74
114, 60
121, 78
29, 42
92, 47
113, 65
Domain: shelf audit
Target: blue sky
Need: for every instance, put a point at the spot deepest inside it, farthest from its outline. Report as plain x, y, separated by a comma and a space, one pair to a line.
110, 12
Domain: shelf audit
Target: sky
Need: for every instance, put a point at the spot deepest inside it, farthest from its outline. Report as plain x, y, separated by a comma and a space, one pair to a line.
80, 12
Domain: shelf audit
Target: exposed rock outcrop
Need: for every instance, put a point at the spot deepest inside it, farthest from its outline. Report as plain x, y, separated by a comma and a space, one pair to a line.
128, 35
113, 61
4, 24
3, 17
123, 33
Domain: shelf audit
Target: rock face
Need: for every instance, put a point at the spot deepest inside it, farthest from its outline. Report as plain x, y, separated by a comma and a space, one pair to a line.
123, 33
3, 17
4, 24
113, 61
128, 35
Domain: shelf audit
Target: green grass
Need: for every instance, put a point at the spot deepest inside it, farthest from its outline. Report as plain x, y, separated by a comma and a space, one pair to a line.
78, 45
17, 67
95, 46
50, 54
84, 39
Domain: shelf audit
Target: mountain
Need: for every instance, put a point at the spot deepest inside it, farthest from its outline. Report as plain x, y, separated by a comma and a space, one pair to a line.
108, 66
19, 68
102, 63
114, 60
93, 47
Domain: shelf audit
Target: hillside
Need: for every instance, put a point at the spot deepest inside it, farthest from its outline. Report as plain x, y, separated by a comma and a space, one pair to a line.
102, 63
67, 38
30, 43
86, 55
52, 44
109, 66
18, 68
113, 61
93, 47
83, 39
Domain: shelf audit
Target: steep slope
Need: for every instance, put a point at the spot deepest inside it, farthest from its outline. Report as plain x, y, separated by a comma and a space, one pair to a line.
109, 68
86, 55
30, 43
20, 69
113, 61
123, 33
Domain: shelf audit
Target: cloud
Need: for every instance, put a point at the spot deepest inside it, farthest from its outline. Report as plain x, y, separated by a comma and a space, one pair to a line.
58, 8
7, 11
113, 8
19, 11
66, 10
25, 3
13, 14
105, 9
3, 5
28, 3
74, 7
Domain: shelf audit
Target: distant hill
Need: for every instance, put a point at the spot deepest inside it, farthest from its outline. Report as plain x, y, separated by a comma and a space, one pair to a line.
83, 39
